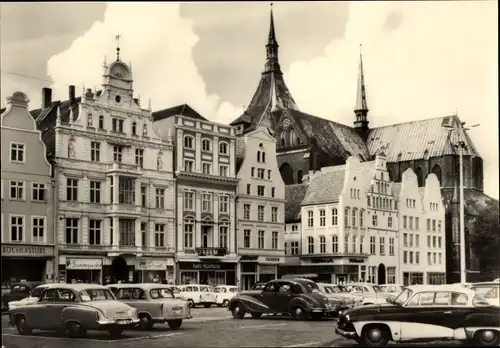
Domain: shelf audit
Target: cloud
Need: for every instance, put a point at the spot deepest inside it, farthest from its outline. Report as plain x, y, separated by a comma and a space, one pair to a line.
158, 42
433, 59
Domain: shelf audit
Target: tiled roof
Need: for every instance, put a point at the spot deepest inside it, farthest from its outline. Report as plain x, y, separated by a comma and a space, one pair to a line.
179, 110
325, 186
294, 194
410, 141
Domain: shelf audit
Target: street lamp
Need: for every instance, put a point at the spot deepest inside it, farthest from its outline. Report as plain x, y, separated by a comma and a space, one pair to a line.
460, 145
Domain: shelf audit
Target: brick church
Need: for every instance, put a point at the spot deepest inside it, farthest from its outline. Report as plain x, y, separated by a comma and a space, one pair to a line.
307, 143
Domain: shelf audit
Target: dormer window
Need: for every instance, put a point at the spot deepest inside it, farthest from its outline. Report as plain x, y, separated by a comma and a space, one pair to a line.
223, 148
89, 120
206, 145
134, 128
101, 122
144, 130
188, 142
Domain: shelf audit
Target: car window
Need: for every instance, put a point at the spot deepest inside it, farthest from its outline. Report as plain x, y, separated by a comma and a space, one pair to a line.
357, 289
233, 289
124, 294
403, 296
204, 289
49, 295
96, 295
442, 298
65, 295
414, 301
271, 287
37, 292
284, 287
16, 289
459, 299
187, 289
480, 301
161, 293
327, 289
487, 291
195, 288
138, 294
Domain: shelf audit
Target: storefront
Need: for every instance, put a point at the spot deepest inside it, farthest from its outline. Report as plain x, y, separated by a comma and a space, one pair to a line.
27, 263
268, 268
249, 271
80, 269
211, 273
155, 271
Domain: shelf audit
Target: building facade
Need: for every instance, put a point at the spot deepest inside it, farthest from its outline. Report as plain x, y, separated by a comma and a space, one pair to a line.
115, 184
27, 207
260, 208
206, 196
422, 225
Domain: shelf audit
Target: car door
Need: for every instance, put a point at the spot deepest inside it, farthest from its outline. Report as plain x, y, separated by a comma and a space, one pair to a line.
47, 313
268, 296
63, 299
284, 294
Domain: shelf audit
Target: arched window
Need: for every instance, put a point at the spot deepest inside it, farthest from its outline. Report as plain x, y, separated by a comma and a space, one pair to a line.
300, 175
134, 128
223, 148
206, 145
310, 245
346, 216
292, 138
263, 157
362, 218
101, 122
368, 201
477, 172
258, 156
283, 139
144, 130
89, 120
188, 142
354, 213
420, 176
437, 171
286, 172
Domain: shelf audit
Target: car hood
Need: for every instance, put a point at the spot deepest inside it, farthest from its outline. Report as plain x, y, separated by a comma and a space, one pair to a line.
370, 309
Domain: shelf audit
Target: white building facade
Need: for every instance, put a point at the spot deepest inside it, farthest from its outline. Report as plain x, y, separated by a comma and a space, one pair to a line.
115, 186
206, 196
260, 208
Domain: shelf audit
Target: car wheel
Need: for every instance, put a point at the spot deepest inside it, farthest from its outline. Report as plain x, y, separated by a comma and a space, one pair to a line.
256, 315
225, 303
374, 336
207, 305
22, 326
238, 311
191, 303
115, 332
174, 324
298, 313
487, 338
317, 316
76, 330
145, 322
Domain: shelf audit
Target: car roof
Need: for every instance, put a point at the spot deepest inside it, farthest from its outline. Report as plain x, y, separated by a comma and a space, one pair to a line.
486, 283
225, 286
390, 285
31, 284
442, 287
77, 287
362, 284
144, 286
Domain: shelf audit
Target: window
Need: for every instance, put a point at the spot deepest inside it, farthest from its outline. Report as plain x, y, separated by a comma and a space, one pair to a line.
249, 189
382, 245
139, 157
95, 151
71, 231
101, 122
252, 171
322, 217
188, 142
410, 222
439, 226
428, 224
117, 153
16, 228
439, 242
17, 152
417, 240
224, 204
374, 220
310, 245
126, 232
274, 214
335, 217
353, 244
294, 247
322, 244
310, 218
405, 256
17, 190
134, 128
261, 239
354, 212
417, 257
246, 238
38, 227
223, 170
258, 156
188, 166
38, 192
72, 190
261, 173
433, 225
391, 275
207, 168
144, 197
246, 211
160, 198
273, 191
361, 242
391, 246
160, 235
362, 218
188, 234
389, 222
405, 221
206, 202
346, 217
94, 232
223, 236
117, 125
417, 223
126, 190
372, 245
260, 213
144, 130
260, 190
269, 174
335, 244
274, 240
89, 120
346, 244
223, 148
95, 192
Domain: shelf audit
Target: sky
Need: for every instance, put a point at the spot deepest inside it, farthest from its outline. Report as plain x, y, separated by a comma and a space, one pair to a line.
421, 59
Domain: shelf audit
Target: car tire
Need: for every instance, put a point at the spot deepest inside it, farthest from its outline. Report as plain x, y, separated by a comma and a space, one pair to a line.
256, 315
191, 303
174, 324
238, 311
145, 322
207, 305
76, 330
374, 336
486, 338
225, 303
115, 332
22, 326
298, 313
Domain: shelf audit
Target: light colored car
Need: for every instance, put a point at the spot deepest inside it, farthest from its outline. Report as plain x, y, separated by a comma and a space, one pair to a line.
155, 303
223, 293
335, 297
350, 299
75, 308
33, 297
391, 289
489, 290
369, 293
198, 294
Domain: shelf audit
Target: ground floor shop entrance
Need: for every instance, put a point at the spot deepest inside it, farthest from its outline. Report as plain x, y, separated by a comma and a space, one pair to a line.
210, 273
80, 269
27, 263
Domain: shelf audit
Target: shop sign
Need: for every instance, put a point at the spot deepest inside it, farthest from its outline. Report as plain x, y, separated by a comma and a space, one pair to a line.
27, 250
356, 260
90, 264
249, 258
186, 266
271, 259
206, 265
267, 269
322, 260
152, 265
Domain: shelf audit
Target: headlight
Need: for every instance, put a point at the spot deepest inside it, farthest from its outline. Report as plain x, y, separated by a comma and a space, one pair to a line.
348, 317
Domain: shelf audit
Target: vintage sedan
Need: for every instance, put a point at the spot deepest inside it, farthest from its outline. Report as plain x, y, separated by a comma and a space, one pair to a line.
424, 313
33, 297
17, 292
489, 290
75, 308
298, 297
391, 289
337, 301
155, 303
198, 294
368, 293
223, 293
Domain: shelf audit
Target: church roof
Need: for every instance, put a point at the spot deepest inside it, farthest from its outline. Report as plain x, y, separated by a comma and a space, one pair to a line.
179, 110
294, 194
325, 186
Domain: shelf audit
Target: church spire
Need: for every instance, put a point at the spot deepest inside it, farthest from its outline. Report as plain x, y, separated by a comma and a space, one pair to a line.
272, 62
361, 107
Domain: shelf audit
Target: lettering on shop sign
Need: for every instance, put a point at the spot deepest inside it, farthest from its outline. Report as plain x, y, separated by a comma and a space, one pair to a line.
322, 260
152, 265
206, 266
270, 259
356, 260
84, 264
249, 258
15, 250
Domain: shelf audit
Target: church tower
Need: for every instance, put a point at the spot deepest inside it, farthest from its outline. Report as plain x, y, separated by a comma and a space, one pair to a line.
361, 107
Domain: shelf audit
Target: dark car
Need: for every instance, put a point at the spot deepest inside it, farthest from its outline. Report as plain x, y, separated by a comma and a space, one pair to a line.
424, 313
17, 292
298, 297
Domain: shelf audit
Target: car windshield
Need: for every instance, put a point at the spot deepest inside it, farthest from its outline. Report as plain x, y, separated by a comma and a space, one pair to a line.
487, 291
403, 296
160, 293
480, 301
311, 286
356, 288
331, 289
37, 292
96, 295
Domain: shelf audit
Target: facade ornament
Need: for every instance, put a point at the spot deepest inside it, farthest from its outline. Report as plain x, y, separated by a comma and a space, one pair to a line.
159, 162
58, 117
71, 149
71, 115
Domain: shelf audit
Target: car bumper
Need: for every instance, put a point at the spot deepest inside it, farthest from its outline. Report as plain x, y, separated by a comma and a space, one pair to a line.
124, 323
347, 334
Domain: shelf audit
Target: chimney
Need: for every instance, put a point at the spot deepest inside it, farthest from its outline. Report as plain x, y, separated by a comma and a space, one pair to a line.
72, 96
46, 97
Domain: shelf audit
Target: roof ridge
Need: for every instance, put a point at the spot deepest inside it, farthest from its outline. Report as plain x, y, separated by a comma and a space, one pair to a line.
420, 120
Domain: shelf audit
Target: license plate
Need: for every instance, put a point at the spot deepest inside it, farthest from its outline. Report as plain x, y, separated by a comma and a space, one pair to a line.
123, 321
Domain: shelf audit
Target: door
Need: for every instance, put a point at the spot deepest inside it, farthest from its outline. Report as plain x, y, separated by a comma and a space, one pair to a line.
268, 296
283, 297
53, 316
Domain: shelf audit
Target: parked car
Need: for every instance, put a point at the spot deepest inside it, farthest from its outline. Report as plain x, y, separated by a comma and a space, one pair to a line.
291, 296
197, 294
350, 300
17, 292
33, 297
391, 289
75, 308
155, 303
489, 290
368, 293
424, 313
223, 293
338, 302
